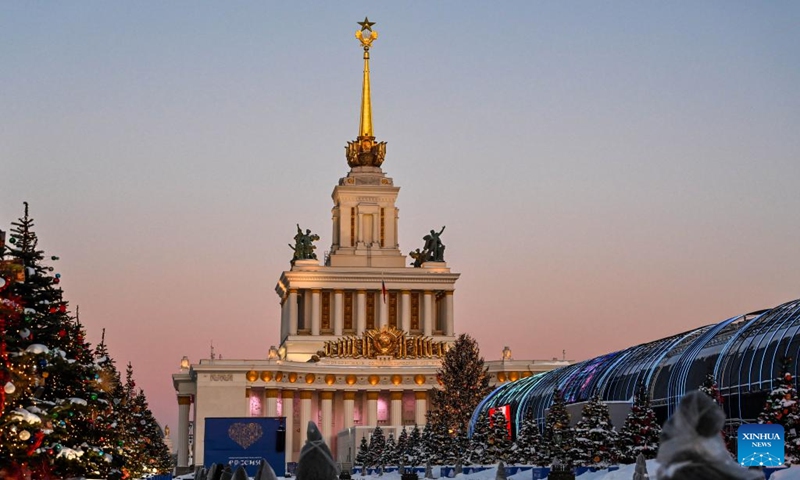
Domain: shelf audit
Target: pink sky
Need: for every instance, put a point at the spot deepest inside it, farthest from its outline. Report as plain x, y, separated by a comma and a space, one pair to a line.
608, 175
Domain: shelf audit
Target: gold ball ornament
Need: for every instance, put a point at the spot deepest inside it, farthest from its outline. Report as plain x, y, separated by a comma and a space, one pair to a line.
397, 379
251, 376
350, 379
24, 435
501, 377
419, 379
310, 377
292, 377
330, 379
266, 376
373, 379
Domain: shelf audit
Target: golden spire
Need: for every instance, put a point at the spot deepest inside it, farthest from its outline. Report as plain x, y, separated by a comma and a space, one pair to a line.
365, 151
365, 128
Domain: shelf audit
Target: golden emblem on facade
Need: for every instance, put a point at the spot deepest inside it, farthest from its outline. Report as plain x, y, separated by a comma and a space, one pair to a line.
387, 342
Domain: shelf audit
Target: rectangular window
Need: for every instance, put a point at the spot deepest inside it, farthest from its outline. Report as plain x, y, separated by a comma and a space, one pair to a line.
383, 229
325, 322
348, 312
370, 311
392, 301
352, 226
415, 312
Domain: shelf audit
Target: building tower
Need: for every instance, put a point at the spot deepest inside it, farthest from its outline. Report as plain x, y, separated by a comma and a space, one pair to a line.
362, 332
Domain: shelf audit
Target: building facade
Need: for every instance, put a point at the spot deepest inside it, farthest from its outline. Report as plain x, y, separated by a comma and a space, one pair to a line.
362, 332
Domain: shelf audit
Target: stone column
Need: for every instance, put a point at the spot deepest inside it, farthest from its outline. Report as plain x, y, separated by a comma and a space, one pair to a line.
405, 310
292, 311
448, 313
338, 312
271, 402
305, 414
360, 229
349, 403
397, 408
427, 313
421, 407
361, 312
372, 409
184, 405
288, 412
327, 415
315, 312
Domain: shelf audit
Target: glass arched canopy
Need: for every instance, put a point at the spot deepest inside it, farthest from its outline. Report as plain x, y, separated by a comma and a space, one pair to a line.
743, 353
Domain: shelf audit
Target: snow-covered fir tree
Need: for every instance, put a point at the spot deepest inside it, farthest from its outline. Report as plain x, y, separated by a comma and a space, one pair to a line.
477, 452
641, 431
558, 435
465, 383
439, 445
362, 457
527, 446
499, 443
390, 453
402, 443
415, 449
596, 440
781, 408
377, 446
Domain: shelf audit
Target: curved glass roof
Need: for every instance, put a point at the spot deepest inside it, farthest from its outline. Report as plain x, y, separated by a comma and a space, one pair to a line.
742, 352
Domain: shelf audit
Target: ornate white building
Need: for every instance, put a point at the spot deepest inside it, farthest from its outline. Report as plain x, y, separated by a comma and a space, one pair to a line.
362, 333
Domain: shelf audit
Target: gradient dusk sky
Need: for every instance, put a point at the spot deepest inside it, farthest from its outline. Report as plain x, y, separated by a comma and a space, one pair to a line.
609, 172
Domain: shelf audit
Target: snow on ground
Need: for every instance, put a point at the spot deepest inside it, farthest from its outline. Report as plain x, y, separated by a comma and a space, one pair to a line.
625, 472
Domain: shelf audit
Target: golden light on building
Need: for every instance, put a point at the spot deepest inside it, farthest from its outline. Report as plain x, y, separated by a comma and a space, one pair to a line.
310, 377
526, 374
252, 376
373, 379
419, 379
501, 377
513, 376
266, 376
330, 379
292, 377
350, 379
397, 379
278, 376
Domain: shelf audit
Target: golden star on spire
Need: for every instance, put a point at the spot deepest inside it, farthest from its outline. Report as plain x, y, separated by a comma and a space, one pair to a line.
366, 24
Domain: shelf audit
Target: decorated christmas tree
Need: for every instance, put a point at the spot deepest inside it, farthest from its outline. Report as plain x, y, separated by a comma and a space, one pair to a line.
143, 439
781, 408
558, 435
596, 440
710, 388
50, 398
641, 431
465, 382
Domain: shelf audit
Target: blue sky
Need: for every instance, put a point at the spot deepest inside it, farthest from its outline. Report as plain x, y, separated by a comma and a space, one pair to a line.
609, 173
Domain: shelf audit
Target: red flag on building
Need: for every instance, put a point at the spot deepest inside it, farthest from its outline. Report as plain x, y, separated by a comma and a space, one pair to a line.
383, 290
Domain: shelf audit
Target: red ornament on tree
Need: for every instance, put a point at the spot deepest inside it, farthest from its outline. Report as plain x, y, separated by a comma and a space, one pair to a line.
62, 333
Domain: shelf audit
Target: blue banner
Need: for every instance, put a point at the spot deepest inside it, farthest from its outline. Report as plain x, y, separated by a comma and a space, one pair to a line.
245, 441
